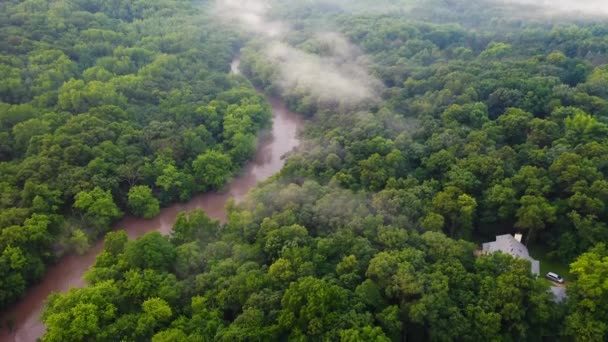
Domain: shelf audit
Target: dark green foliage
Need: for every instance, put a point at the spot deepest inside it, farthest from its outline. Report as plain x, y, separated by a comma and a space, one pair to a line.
362, 281
484, 128
106, 106
153, 251
490, 123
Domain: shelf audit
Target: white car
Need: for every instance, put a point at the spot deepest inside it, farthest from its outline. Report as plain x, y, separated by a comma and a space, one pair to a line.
554, 277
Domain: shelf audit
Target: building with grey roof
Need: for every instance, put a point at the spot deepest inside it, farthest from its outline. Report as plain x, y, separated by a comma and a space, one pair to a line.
511, 245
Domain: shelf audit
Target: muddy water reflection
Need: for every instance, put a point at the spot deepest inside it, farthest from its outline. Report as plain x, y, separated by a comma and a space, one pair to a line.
25, 314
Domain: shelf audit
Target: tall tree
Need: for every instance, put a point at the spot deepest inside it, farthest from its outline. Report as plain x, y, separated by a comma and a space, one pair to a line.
142, 202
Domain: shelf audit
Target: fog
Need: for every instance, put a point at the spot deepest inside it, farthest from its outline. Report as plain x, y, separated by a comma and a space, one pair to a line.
586, 7
250, 15
338, 76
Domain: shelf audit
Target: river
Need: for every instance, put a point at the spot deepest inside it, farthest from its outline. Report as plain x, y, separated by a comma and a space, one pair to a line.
68, 272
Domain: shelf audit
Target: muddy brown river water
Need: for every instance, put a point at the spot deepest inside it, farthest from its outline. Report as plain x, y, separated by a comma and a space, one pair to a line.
68, 272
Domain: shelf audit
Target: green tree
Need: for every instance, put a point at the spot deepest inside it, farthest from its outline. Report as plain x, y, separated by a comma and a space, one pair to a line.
515, 124
458, 210
152, 251
79, 241
366, 333
142, 202
194, 226
534, 214
80, 315
243, 147
588, 296
24, 131
175, 184
170, 335
313, 307
97, 207
212, 169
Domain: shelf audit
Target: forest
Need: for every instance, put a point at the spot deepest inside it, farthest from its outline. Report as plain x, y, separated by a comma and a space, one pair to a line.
106, 108
433, 126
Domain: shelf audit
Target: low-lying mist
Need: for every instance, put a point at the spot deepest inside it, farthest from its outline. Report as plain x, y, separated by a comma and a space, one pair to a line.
339, 75
337, 72
584, 7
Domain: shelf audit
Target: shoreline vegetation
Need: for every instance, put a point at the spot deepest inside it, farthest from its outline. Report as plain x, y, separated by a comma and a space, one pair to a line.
486, 122
105, 111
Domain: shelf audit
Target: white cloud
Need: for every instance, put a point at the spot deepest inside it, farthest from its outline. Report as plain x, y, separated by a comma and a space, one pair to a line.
588, 7
339, 76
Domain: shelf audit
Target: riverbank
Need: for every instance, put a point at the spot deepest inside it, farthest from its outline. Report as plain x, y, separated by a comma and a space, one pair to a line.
67, 273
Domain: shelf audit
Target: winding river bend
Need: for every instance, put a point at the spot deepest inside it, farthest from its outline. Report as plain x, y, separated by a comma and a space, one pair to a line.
68, 272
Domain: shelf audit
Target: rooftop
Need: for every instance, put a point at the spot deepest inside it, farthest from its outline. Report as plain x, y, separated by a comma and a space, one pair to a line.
509, 245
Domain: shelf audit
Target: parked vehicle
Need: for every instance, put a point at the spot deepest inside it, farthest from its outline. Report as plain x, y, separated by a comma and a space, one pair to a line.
554, 277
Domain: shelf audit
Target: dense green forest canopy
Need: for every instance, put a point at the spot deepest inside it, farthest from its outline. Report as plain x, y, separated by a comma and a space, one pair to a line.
108, 107
478, 133
477, 120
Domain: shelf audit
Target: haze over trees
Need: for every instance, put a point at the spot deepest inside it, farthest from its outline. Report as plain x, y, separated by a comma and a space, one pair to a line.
473, 121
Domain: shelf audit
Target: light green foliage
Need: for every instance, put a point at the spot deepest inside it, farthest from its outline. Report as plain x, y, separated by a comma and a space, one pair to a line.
79, 241
496, 51
170, 335
582, 127
432, 222
142, 202
81, 315
303, 281
97, 207
533, 215
488, 123
157, 309
312, 306
115, 242
211, 169
363, 334
589, 296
